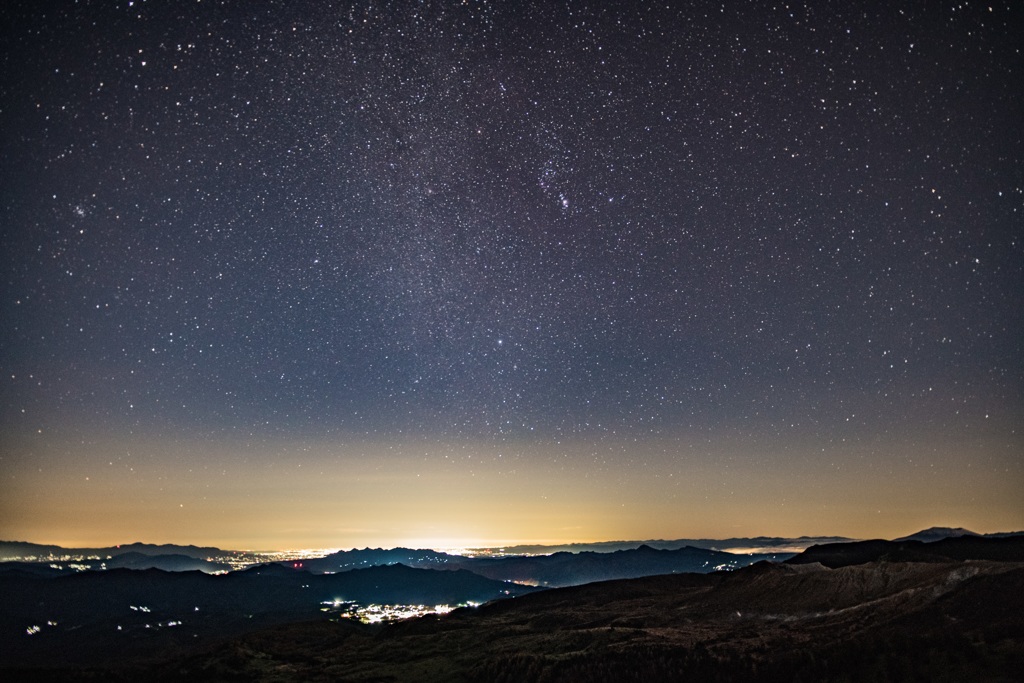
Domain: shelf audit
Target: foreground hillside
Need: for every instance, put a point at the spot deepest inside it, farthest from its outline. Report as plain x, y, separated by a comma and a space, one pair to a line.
934, 621
94, 618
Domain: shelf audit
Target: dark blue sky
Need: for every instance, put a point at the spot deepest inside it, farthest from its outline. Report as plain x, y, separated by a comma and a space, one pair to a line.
536, 228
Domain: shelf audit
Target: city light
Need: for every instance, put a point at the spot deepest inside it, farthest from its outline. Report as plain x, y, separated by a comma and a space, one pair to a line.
375, 614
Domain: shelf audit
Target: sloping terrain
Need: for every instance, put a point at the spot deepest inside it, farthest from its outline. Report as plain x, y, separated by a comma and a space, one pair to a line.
95, 617
932, 621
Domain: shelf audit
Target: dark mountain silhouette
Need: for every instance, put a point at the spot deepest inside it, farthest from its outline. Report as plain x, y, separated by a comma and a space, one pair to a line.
351, 559
129, 560
833, 555
765, 543
570, 569
937, 533
356, 558
199, 553
345, 560
168, 563
17, 550
558, 569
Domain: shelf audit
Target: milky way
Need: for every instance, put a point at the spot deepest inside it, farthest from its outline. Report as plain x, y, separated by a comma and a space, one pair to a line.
526, 242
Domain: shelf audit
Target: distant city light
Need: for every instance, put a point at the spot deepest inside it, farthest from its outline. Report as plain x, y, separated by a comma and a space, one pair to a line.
375, 614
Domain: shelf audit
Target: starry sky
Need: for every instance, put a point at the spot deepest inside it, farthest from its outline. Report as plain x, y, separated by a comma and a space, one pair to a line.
334, 274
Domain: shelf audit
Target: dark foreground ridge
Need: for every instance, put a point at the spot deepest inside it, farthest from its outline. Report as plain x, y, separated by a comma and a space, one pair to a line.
936, 619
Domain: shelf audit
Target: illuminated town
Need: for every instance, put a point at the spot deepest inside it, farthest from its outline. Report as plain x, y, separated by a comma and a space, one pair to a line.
375, 614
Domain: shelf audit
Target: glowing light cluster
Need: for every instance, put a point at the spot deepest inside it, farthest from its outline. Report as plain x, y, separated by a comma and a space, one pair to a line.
375, 613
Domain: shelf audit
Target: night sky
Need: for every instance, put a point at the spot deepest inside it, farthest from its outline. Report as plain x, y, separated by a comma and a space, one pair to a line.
284, 274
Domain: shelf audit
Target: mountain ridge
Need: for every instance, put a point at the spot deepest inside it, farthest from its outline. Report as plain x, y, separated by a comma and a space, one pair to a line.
554, 570
952, 548
937, 533
16, 550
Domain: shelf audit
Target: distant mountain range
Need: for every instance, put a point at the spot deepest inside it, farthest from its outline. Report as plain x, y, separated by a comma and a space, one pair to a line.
18, 550
614, 560
167, 563
132, 559
11, 551
558, 569
762, 544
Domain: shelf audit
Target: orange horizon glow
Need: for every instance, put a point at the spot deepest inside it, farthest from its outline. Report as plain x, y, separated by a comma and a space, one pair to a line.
339, 494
